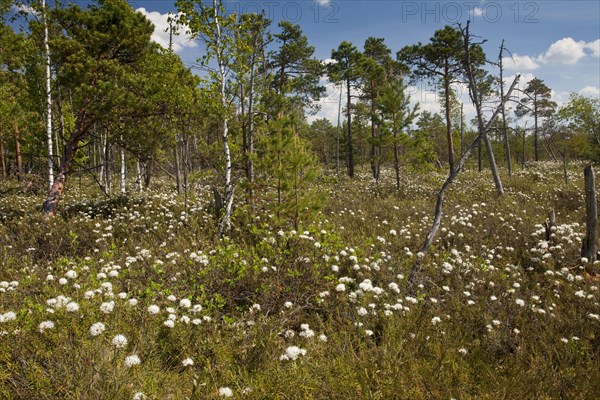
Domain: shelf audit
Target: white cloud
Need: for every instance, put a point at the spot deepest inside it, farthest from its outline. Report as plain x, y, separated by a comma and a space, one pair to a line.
161, 31
594, 47
478, 11
519, 63
323, 2
590, 91
564, 51
329, 103
24, 9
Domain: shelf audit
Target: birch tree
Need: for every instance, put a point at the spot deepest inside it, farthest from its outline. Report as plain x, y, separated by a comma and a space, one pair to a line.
216, 30
48, 83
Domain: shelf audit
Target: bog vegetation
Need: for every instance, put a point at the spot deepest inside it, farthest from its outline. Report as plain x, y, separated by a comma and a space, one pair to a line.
178, 233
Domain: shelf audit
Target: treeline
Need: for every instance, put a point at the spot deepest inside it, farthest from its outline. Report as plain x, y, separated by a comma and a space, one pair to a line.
87, 91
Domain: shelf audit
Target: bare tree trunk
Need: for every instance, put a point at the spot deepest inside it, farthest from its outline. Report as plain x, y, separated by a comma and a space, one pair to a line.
549, 224
250, 158
177, 164
148, 171
350, 148
589, 246
337, 139
448, 120
2, 160
524, 137
504, 127
185, 171
138, 180
396, 160
479, 158
565, 175
225, 225
373, 145
55, 193
48, 99
535, 132
462, 128
108, 160
18, 153
493, 166
123, 173
102, 157
477, 102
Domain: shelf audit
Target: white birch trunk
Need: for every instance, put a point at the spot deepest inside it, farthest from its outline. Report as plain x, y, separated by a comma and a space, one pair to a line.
48, 100
138, 180
225, 225
123, 173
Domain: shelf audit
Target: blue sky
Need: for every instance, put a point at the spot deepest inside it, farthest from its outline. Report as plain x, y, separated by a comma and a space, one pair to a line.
556, 41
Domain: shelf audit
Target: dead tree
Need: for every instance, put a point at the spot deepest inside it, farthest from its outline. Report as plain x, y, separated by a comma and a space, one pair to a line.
589, 247
549, 224
483, 129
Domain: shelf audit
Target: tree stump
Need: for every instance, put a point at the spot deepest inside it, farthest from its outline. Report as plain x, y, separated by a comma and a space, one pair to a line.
589, 246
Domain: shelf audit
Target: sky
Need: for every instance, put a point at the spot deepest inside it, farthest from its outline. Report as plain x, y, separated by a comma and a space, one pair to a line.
556, 41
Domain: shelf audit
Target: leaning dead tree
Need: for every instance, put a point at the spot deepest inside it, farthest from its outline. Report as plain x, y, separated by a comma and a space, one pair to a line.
483, 128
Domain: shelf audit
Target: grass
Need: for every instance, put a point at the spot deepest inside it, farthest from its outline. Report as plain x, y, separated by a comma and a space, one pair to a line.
503, 314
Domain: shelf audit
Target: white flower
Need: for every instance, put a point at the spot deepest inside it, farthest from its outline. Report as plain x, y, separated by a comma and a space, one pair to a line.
72, 307
185, 303
97, 328
62, 281
520, 302
288, 304
463, 351
187, 362
139, 396
71, 274
435, 320
169, 324
132, 302
8, 316
153, 309
107, 308
340, 288
306, 331
46, 325
292, 353
89, 294
322, 338
172, 298
119, 341
225, 392
132, 360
